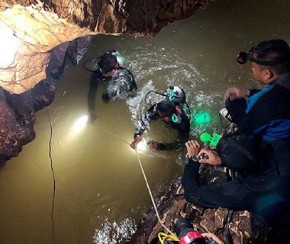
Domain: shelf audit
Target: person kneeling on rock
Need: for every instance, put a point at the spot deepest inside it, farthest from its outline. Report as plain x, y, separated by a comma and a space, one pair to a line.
261, 188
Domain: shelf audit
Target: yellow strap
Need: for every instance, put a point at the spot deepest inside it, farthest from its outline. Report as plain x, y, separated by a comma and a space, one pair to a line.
163, 237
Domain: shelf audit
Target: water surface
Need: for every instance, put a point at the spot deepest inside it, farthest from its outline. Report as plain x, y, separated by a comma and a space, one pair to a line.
100, 192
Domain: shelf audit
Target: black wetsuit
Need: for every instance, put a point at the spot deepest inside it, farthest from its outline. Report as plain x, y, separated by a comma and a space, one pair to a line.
118, 86
183, 127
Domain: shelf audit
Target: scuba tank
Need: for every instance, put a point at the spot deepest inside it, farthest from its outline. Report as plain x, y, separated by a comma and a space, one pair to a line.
177, 95
120, 59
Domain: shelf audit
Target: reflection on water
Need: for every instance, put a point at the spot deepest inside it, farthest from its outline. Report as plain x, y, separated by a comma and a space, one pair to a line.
100, 190
142, 146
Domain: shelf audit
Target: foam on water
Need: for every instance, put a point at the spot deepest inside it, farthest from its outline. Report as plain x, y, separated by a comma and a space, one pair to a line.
137, 104
113, 232
163, 67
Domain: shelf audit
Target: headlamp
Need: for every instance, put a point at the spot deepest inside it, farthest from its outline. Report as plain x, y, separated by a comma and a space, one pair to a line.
190, 237
243, 57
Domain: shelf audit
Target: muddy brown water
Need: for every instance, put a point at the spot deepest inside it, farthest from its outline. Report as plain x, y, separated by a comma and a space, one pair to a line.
100, 191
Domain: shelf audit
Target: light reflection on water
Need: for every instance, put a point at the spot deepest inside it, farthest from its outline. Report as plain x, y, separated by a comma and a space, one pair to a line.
79, 124
99, 186
142, 146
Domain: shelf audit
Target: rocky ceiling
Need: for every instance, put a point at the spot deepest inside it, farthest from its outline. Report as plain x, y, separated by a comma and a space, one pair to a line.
36, 36
31, 29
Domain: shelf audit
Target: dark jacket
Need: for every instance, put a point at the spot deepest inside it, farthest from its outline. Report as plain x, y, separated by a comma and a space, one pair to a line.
265, 190
266, 114
261, 154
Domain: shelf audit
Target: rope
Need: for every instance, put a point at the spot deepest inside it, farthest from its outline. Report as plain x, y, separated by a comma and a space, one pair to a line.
163, 237
150, 193
54, 181
146, 181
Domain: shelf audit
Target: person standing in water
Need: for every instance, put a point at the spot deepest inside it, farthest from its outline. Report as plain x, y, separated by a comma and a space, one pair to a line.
119, 81
171, 112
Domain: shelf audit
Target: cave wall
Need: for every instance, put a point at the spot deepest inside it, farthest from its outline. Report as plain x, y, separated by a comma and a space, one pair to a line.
40, 26
45, 32
36, 33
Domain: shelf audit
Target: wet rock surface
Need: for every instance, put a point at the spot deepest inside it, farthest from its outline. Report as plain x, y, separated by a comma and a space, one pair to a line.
52, 31
47, 24
230, 226
17, 117
17, 110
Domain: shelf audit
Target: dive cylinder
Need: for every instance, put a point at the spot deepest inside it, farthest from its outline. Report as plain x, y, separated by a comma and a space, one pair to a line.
119, 57
176, 95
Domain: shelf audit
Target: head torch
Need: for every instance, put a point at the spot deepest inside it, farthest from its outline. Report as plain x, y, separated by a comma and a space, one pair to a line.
243, 57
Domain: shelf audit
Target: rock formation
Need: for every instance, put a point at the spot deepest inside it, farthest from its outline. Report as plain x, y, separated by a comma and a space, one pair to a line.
36, 36
230, 226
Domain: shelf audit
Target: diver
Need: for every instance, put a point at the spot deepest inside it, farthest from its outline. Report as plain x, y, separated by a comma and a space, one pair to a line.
171, 111
120, 82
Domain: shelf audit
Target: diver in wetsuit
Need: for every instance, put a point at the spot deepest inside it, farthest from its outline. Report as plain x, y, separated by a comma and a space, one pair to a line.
119, 81
170, 111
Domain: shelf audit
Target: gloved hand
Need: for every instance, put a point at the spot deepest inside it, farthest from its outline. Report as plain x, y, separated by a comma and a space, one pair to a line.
154, 145
136, 141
